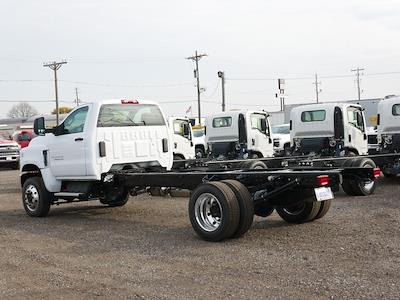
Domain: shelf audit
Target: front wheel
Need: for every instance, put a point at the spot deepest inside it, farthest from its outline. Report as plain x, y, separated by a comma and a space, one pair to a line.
300, 212
36, 199
200, 153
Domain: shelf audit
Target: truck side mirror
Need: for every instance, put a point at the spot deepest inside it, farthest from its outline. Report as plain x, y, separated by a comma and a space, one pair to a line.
39, 127
186, 130
264, 126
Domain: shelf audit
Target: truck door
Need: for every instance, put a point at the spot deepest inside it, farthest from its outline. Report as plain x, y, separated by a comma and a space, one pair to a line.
67, 146
356, 136
183, 139
259, 137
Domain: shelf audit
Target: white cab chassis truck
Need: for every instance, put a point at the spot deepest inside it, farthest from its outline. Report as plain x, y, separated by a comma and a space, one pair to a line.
110, 150
388, 134
182, 138
238, 135
328, 129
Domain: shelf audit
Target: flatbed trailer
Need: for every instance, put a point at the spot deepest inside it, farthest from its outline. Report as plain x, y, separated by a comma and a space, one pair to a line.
222, 203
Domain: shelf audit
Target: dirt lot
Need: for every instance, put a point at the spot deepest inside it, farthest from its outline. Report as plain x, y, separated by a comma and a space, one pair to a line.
147, 249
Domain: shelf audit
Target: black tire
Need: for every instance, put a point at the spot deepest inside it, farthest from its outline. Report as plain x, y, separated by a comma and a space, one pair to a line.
286, 150
325, 206
200, 153
360, 187
222, 219
178, 157
115, 198
246, 206
347, 185
299, 213
263, 210
36, 199
253, 164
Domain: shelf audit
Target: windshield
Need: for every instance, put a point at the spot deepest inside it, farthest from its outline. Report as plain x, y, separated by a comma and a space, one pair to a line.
198, 132
281, 129
117, 115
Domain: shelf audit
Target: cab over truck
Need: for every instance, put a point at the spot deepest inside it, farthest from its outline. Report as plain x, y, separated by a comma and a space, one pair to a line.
239, 135
109, 150
333, 135
388, 134
182, 138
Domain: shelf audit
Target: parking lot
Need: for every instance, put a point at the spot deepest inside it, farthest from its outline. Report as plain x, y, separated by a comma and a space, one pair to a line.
147, 249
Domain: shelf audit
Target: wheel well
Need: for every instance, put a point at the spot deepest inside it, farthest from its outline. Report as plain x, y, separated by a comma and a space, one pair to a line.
201, 147
259, 154
180, 156
353, 150
29, 171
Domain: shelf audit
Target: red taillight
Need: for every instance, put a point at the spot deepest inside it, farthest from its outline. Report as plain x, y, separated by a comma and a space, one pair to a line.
125, 101
323, 180
377, 172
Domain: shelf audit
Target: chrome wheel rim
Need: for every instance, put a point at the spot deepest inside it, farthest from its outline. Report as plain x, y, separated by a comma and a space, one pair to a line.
31, 198
369, 185
294, 210
208, 212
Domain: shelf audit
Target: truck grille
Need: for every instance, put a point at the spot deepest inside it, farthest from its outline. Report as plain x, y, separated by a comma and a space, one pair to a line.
9, 150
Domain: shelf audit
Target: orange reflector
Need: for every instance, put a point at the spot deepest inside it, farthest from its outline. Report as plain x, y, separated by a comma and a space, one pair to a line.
125, 101
377, 172
323, 180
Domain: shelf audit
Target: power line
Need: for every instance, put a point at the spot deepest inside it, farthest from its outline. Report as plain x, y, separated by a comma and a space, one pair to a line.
317, 89
55, 66
196, 59
358, 81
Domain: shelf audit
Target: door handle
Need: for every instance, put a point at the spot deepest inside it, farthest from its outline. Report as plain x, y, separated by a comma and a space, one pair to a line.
78, 139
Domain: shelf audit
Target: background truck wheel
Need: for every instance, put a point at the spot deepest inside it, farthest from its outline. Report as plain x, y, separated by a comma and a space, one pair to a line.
200, 153
246, 206
214, 211
347, 185
115, 197
325, 206
36, 199
253, 164
363, 187
263, 210
300, 212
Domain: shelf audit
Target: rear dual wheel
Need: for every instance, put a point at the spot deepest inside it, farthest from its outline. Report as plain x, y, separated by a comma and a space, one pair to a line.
221, 210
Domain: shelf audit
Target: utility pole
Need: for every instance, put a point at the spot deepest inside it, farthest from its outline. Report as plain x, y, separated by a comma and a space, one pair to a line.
76, 97
55, 66
221, 75
317, 89
281, 88
358, 81
196, 59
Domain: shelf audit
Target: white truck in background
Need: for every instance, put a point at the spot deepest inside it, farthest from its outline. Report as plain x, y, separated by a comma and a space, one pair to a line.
328, 129
239, 134
281, 138
182, 138
9, 152
388, 133
199, 140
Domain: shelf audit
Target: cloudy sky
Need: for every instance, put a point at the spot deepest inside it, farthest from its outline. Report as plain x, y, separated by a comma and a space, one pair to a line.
137, 49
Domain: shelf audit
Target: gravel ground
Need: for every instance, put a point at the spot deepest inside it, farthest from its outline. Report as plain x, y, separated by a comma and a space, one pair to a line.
147, 249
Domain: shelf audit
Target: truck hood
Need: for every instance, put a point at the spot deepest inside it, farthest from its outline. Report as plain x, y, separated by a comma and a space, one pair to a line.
8, 143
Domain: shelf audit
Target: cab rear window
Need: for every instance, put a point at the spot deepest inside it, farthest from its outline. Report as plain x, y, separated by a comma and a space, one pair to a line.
313, 115
222, 122
119, 115
396, 110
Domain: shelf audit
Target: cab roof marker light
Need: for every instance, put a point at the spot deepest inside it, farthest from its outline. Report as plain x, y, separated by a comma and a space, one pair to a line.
127, 101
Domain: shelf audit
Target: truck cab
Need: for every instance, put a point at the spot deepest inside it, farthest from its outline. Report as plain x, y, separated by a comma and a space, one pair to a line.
95, 138
328, 129
239, 134
182, 137
388, 129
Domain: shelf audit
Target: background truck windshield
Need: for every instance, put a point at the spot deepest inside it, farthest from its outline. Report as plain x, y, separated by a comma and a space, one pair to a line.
117, 115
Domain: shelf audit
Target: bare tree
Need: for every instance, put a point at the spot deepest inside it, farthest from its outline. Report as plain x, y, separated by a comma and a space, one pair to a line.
22, 110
